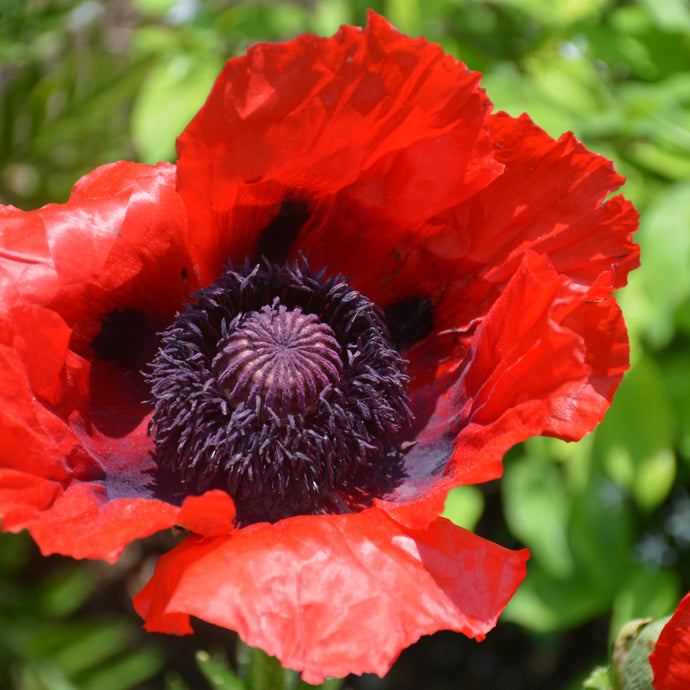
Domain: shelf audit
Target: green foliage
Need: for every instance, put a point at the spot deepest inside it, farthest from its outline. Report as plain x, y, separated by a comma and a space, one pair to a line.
49, 642
598, 680
171, 95
655, 293
257, 671
218, 673
464, 506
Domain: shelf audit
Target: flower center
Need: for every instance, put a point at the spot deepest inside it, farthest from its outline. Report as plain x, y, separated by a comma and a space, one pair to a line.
280, 358
282, 388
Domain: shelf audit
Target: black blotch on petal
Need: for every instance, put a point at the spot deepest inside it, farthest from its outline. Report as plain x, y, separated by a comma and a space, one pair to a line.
184, 273
409, 320
127, 337
280, 234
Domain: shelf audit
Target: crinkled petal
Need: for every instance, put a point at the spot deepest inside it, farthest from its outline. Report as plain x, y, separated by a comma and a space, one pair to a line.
372, 131
670, 659
550, 199
81, 522
545, 360
75, 456
334, 594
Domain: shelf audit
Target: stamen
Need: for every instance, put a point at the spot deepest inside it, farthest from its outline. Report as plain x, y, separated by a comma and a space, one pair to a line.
281, 387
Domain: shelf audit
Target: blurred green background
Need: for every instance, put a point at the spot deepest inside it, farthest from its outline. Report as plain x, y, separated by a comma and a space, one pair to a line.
607, 520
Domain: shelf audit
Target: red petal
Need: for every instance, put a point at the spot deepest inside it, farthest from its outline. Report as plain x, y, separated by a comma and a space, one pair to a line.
121, 241
549, 200
545, 360
210, 514
33, 357
74, 452
82, 523
370, 127
529, 363
670, 659
539, 365
557, 191
337, 594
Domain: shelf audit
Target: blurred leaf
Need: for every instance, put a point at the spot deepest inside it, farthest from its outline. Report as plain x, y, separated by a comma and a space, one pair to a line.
645, 594
265, 21
650, 51
676, 372
155, 7
15, 551
331, 14
42, 676
598, 680
578, 529
663, 282
671, 15
636, 439
64, 592
84, 645
218, 672
171, 95
264, 672
557, 12
127, 671
656, 159
601, 535
328, 684
536, 507
464, 506
404, 14
173, 681
544, 604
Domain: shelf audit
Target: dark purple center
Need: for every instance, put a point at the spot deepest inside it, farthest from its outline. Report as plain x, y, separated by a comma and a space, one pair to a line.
278, 357
281, 387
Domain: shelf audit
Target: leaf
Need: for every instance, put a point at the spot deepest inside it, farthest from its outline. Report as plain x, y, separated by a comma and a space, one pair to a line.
218, 673
598, 680
171, 95
663, 283
404, 14
645, 594
578, 529
544, 604
671, 15
155, 7
64, 592
637, 436
557, 12
464, 506
127, 671
536, 507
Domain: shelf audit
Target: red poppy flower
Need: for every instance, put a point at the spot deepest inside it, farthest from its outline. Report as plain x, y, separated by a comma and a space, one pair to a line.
306, 428
670, 659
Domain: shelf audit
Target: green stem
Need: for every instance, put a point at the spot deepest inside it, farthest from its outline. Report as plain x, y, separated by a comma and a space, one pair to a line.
264, 672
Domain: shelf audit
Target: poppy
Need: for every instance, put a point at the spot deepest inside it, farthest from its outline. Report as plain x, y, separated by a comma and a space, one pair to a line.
670, 659
356, 290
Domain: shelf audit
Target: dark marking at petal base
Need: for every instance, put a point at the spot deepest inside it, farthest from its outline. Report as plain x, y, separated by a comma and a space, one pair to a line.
184, 273
127, 337
409, 320
277, 238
